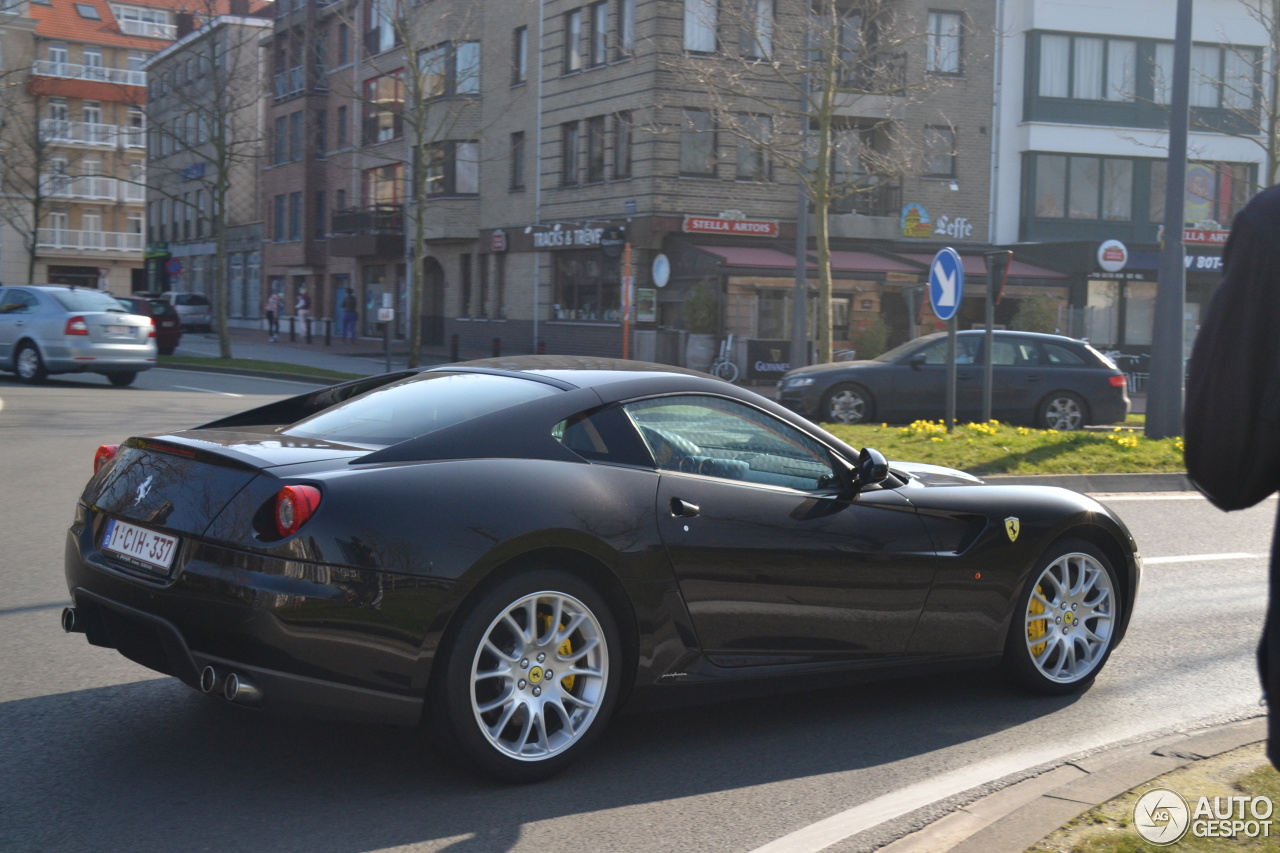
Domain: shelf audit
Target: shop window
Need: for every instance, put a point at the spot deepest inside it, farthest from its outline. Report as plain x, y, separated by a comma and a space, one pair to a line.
586, 288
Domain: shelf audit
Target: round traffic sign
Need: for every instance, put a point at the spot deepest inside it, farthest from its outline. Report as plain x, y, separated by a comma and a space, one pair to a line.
946, 283
173, 267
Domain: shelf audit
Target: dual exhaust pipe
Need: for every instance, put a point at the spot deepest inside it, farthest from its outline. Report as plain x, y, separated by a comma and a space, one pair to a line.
232, 686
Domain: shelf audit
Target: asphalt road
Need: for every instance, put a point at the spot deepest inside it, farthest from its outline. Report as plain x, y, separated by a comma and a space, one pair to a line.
97, 753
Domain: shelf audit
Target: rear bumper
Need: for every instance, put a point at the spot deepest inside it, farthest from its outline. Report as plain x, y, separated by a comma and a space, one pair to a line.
326, 641
99, 357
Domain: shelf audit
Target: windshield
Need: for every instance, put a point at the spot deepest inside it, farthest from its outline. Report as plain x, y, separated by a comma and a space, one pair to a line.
902, 349
416, 406
88, 300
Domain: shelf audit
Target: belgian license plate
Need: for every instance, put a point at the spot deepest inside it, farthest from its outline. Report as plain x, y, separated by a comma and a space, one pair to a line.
120, 330
152, 549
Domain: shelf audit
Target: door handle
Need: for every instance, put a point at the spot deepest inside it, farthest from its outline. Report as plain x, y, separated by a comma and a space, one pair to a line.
684, 509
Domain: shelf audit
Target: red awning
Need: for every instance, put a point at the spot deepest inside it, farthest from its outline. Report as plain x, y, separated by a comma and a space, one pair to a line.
868, 262
976, 266
749, 256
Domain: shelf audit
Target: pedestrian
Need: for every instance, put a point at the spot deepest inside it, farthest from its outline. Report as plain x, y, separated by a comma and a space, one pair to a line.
1232, 417
349, 317
302, 308
273, 316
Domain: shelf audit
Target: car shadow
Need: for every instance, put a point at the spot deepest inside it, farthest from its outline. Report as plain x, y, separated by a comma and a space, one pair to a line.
153, 765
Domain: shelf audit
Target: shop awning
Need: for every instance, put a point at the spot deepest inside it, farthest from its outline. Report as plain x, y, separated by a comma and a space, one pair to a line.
868, 262
749, 256
975, 266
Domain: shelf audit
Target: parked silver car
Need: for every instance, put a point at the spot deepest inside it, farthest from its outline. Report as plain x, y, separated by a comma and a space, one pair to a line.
194, 310
52, 328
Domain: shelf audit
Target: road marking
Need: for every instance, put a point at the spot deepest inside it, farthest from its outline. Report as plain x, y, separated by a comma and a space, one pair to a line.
207, 391
1201, 558
838, 827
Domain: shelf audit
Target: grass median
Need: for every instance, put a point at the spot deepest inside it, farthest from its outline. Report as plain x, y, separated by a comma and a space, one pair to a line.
996, 448
249, 364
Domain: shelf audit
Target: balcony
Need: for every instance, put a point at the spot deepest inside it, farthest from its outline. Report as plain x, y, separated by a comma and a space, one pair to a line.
96, 73
879, 200
290, 82
372, 231
91, 133
91, 188
168, 32
93, 241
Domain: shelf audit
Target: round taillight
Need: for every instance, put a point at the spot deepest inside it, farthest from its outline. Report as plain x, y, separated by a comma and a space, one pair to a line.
76, 326
104, 454
294, 505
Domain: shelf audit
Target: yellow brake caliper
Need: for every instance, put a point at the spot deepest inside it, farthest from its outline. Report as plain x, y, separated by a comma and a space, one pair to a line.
1037, 628
567, 649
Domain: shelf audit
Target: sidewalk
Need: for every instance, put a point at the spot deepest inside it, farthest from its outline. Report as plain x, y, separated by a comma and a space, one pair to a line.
363, 358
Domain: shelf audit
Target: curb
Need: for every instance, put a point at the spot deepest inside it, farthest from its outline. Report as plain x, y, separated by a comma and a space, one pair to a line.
1014, 818
263, 374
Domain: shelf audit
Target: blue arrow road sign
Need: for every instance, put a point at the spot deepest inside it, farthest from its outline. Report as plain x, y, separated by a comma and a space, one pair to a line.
946, 283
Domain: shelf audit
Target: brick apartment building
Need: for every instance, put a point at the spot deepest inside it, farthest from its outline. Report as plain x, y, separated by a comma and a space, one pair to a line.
556, 122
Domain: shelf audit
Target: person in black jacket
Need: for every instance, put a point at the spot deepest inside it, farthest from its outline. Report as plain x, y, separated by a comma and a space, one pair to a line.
1232, 418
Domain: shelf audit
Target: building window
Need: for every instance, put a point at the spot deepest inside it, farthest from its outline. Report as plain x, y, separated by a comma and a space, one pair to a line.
583, 288
942, 50
381, 30
464, 270
1214, 191
626, 28
1221, 77
517, 160
755, 37
599, 31
940, 151
342, 127
1079, 187
382, 185
700, 24
519, 54
466, 68
753, 148
450, 69
322, 133
383, 108
453, 168
622, 144
595, 149
321, 215
344, 44
295, 216
697, 144
1089, 68
569, 153
573, 41
278, 228
295, 136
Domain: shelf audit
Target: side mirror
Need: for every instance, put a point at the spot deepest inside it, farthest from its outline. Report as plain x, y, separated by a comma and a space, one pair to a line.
870, 470
917, 361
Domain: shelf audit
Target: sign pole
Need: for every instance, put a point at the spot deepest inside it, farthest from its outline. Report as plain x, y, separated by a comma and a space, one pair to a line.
626, 301
946, 289
997, 271
951, 373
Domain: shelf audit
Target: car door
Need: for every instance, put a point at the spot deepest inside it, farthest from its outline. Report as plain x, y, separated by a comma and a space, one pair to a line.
1016, 378
771, 561
920, 382
17, 311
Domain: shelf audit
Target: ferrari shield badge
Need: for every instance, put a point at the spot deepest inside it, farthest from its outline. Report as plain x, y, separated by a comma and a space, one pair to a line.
1011, 526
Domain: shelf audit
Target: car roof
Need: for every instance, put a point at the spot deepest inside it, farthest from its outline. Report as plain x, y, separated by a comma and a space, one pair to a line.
581, 371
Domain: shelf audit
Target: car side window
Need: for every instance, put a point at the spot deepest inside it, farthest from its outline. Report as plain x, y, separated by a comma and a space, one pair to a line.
14, 301
605, 435
966, 351
1015, 354
725, 439
1058, 354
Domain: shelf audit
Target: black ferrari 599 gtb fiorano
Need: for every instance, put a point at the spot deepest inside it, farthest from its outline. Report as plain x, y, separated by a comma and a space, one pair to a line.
507, 550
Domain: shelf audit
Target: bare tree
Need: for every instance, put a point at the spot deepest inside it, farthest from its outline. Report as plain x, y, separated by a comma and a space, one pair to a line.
819, 89
205, 125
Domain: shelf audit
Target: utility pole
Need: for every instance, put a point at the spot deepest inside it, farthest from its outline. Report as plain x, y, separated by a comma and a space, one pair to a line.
1166, 386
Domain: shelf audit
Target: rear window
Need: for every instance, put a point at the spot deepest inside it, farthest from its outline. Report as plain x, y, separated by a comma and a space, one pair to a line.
189, 299
416, 406
160, 308
88, 300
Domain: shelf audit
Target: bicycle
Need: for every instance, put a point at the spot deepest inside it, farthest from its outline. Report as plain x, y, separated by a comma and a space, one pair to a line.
723, 367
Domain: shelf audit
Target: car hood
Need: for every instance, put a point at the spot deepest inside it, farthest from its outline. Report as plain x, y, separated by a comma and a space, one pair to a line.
935, 475
830, 366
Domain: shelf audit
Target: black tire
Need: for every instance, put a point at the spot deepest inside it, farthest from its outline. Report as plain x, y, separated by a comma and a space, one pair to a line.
167, 351
486, 709
29, 365
1055, 649
122, 380
1063, 411
846, 404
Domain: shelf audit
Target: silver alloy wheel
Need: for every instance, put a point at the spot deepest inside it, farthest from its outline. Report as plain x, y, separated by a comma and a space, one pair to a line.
847, 406
1070, 618
1063, 413
29, 366
539, 676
